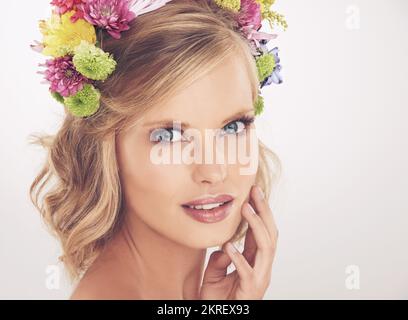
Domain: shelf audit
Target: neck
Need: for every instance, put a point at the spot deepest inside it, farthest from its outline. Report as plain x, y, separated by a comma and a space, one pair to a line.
160, 267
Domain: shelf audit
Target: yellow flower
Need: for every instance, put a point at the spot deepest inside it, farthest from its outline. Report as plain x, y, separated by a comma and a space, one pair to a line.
233, 5
61, 35
273, 17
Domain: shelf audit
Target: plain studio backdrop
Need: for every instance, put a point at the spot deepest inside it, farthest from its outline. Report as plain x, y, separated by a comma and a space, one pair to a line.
338, 123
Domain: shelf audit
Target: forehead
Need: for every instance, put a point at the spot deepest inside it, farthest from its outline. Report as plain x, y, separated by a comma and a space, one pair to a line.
223, 91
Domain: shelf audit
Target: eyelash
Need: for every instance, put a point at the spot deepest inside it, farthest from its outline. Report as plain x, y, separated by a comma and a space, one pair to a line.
246, 120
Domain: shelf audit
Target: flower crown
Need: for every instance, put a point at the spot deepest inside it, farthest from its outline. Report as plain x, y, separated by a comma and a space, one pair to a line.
78, 62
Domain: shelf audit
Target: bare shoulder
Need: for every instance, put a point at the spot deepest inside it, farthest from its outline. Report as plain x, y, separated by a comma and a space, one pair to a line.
103, 286
89, 288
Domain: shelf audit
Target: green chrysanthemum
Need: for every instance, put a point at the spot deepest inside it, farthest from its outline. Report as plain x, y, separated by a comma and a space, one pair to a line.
259, 105
85, 102
57, 97
93, 62
233, 5
265, 65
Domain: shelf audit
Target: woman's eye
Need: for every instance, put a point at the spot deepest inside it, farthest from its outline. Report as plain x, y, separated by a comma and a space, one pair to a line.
234, 127
169, 135
165, 135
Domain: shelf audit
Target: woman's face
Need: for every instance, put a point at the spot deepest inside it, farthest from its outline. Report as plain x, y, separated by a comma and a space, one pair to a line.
155, 192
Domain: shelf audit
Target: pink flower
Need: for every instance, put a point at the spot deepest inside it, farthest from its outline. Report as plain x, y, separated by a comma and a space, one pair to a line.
255, 37
63, 6
250, 21
250, 14
62, 76
112, 15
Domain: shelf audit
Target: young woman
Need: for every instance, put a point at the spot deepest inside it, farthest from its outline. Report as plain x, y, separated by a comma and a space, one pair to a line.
131, 228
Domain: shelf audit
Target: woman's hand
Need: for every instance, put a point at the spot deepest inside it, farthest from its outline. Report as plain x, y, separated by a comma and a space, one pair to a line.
253, 267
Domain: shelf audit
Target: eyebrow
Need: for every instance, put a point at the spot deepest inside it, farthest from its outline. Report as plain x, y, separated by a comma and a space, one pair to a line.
184, 125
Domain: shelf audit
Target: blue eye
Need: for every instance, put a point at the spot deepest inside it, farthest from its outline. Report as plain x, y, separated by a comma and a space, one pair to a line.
170, 134
165, 135
239, 125
234, 127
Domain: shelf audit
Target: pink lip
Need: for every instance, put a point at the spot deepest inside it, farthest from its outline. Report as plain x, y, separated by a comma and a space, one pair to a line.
207, 200
210, 215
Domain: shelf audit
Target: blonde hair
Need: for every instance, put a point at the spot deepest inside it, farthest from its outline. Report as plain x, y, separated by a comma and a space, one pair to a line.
78, 191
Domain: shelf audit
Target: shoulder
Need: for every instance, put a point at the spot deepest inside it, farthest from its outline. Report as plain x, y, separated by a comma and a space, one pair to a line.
100, 286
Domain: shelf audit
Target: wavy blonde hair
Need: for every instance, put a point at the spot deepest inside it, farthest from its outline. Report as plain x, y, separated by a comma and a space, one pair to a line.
78, 191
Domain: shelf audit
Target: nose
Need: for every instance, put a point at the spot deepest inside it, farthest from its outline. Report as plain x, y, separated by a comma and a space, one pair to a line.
209, 173
212, 171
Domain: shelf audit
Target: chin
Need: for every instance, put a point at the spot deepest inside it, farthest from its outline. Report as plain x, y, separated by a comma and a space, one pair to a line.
208, 244
201, 239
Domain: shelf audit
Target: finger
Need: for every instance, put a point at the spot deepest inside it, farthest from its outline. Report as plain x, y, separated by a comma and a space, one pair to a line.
250, 247
263, 257
261, 205
258, 227
217, 267
242, 267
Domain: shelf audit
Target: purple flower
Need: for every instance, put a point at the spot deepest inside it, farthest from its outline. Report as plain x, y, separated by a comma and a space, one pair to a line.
115, 15
62, 76
112, 15
275, 76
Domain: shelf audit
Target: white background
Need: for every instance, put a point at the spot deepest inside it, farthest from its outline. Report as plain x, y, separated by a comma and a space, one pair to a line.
339, 123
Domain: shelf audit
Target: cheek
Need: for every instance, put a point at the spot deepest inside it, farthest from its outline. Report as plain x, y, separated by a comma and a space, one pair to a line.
144, 183
243, 173
242, 184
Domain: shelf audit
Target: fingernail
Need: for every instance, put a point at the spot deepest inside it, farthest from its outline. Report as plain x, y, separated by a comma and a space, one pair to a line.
231, 247
260, 192
250, 208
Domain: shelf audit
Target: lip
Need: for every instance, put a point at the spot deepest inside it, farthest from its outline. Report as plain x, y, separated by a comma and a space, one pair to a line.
211, 215
210, 199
